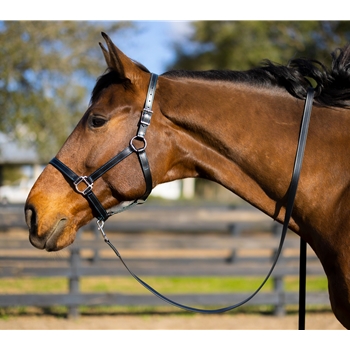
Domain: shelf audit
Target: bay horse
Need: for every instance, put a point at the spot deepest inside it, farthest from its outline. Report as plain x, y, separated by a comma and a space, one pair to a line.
237, 128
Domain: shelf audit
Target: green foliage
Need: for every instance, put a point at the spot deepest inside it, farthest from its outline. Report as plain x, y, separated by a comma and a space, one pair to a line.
11, 174
45, 71
244, 44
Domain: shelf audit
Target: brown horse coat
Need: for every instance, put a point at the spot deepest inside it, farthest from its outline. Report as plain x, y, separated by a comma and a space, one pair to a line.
239, 129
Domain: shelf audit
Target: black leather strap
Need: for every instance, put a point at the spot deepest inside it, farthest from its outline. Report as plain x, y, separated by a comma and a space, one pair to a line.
111, 163
146, 173
99, 211
146, 116
300, 152
72, 176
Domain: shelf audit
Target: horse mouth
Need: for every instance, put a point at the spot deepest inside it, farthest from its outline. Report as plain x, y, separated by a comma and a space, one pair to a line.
50, 242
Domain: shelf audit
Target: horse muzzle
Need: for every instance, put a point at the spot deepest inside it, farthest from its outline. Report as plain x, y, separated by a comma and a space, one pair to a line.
49, 238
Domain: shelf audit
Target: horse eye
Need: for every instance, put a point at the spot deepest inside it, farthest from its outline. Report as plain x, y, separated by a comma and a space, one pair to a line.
97, 121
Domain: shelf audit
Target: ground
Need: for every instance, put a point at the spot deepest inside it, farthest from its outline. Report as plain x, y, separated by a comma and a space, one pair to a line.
314, 321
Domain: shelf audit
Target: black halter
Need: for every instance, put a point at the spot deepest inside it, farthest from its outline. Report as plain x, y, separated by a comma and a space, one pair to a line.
102, 215
88, 181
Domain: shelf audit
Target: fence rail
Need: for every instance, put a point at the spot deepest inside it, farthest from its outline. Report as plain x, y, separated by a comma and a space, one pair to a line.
158, 241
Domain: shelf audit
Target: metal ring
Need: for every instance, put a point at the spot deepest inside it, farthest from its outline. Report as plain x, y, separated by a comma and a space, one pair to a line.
140, 138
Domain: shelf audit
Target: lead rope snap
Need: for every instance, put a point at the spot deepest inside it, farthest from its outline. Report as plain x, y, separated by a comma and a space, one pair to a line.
100, 224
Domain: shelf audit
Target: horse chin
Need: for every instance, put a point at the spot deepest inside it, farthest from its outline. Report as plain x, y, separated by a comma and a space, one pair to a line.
58, 238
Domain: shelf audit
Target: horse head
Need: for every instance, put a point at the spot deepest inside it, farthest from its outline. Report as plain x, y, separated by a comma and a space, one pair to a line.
55, 208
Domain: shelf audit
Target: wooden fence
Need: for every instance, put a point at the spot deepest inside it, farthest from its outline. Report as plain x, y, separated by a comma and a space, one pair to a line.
160, 241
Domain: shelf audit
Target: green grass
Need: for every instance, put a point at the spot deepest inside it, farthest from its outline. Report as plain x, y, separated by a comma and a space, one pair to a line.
164, 284
27, 285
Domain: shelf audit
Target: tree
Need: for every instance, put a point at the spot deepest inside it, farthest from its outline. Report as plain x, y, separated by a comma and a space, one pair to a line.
243, 44
46, 71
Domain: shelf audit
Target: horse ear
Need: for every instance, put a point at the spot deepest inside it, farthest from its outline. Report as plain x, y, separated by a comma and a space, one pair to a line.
117, 60
105, 54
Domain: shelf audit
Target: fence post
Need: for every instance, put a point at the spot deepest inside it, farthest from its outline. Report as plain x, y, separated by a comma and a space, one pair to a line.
276, 232
278, 287
235, 230
74, 287
97, 235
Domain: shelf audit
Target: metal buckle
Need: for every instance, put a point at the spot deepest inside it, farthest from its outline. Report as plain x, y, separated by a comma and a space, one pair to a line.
146, 120
89, 185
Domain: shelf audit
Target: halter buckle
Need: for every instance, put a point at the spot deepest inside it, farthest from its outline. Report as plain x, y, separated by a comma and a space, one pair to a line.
146, 116
87, 189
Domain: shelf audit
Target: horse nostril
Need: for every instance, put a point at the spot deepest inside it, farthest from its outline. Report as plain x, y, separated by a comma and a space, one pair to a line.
30, 215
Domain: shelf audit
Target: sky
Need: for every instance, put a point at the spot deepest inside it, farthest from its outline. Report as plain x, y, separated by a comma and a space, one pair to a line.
162, 22
151, 44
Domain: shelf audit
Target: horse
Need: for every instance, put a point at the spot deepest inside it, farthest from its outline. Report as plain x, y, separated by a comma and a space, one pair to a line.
236, 128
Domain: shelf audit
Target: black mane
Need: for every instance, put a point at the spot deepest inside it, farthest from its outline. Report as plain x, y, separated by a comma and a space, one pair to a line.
332, 85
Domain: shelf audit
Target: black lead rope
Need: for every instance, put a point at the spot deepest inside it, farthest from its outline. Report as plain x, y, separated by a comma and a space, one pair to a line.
303, 244
293, 189
302, 284
102, 215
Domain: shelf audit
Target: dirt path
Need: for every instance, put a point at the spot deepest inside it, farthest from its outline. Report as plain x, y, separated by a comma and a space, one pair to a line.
314, 321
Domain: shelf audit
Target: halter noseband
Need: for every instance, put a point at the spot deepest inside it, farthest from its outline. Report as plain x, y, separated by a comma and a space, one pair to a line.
99, 211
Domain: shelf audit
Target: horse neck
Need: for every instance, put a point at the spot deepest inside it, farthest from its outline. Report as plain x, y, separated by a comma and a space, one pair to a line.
242, 137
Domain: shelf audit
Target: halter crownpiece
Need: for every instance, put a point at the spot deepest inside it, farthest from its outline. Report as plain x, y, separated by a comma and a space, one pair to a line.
78, 181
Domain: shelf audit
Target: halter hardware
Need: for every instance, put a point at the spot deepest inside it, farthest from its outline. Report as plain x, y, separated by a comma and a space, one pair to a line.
146, 120
139, 138
85, 180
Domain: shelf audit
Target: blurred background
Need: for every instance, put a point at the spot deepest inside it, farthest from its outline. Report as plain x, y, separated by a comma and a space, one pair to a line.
48, 70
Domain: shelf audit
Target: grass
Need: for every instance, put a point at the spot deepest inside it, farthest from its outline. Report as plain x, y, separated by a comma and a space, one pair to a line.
164, 284
127, 285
